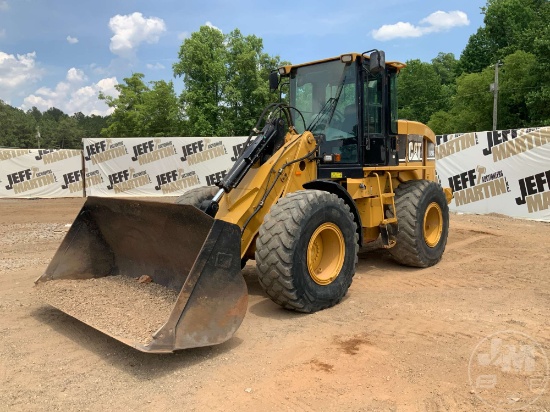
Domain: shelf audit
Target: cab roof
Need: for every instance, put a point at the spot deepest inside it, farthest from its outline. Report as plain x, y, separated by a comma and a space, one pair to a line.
397, 65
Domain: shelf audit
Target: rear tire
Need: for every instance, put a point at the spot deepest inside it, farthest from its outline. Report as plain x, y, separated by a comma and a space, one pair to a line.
423, 219
306, 251
195, 197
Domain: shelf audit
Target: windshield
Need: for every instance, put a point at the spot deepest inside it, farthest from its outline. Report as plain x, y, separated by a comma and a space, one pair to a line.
325, 95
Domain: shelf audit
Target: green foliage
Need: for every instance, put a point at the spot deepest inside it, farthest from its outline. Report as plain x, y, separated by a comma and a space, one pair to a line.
52, 129
420, 91
446, 66
247, 90
473, 104
225, 87
517, 80
18, 128
517, 33
143, 111
91, 125
202, 65
225, 81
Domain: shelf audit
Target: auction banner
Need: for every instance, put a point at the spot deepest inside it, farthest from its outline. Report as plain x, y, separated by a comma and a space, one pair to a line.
156, 166
29, 173
504, 171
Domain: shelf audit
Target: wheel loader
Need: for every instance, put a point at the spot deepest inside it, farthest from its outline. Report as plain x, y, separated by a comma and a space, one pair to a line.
319, 176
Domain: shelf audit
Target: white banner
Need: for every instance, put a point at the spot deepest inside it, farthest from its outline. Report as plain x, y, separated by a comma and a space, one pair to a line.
160, 166
28, 173
505, 171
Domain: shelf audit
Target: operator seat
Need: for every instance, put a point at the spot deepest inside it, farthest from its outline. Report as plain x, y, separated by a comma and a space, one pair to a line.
349, 124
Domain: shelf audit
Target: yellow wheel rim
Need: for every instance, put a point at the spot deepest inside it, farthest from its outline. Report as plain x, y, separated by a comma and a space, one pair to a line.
325, 253
433, 224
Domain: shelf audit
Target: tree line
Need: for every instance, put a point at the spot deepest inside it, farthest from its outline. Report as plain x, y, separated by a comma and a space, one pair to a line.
453, 95
225, 87
51, 129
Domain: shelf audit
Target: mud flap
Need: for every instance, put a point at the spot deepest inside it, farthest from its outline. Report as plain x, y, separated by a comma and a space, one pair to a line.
178, 247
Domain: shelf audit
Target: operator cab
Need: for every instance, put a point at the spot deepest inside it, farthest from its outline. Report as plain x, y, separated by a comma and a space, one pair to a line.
349, 103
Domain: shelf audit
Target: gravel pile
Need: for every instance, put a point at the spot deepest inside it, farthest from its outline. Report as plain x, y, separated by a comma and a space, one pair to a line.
117, 305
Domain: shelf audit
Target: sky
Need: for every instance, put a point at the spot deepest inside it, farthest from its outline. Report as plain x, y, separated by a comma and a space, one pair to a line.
62, 53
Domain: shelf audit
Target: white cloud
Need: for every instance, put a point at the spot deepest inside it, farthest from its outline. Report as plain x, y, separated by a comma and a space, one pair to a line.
156, 66
440, 20
76, 75
17, 70
131, 30
400, 29
209, 24
72, 40
4, 5
71, 97
435, 22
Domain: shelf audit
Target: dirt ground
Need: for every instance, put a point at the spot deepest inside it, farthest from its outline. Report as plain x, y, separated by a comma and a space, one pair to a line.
403, 339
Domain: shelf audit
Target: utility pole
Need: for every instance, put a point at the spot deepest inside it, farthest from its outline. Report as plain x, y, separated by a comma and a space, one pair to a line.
494, 89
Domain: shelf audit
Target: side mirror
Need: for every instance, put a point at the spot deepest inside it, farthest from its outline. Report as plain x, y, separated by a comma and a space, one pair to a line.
273, 80
377, 61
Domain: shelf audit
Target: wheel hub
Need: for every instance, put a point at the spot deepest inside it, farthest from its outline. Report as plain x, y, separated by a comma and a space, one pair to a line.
433, 224
325, 253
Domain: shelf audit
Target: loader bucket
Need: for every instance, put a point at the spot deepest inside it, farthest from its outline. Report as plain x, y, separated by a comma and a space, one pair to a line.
155, 276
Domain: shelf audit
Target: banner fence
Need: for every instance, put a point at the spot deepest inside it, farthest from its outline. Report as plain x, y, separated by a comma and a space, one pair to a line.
505, 171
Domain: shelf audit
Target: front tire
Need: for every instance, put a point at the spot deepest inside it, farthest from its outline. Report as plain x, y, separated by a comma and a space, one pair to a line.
306, 251
195, 197
423, 219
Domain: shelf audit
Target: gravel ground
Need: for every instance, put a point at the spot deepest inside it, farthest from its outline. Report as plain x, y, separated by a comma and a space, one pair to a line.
403, 339
117, 305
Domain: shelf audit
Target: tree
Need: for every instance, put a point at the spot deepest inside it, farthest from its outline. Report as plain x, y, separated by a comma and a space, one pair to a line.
161, 114
510, 25
473, 104
478, 54
225, 81
446, 66
246, 91
518, 77
420, 91
126, 118
143, 111
517, 33
18, 129
201, 63
91, 125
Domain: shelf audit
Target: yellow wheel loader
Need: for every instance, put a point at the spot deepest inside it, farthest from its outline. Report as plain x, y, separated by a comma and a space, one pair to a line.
318, 178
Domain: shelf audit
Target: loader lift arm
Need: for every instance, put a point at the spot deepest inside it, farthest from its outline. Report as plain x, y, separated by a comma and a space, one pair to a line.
252, 153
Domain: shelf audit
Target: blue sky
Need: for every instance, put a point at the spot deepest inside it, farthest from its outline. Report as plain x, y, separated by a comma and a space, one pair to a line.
63, 53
